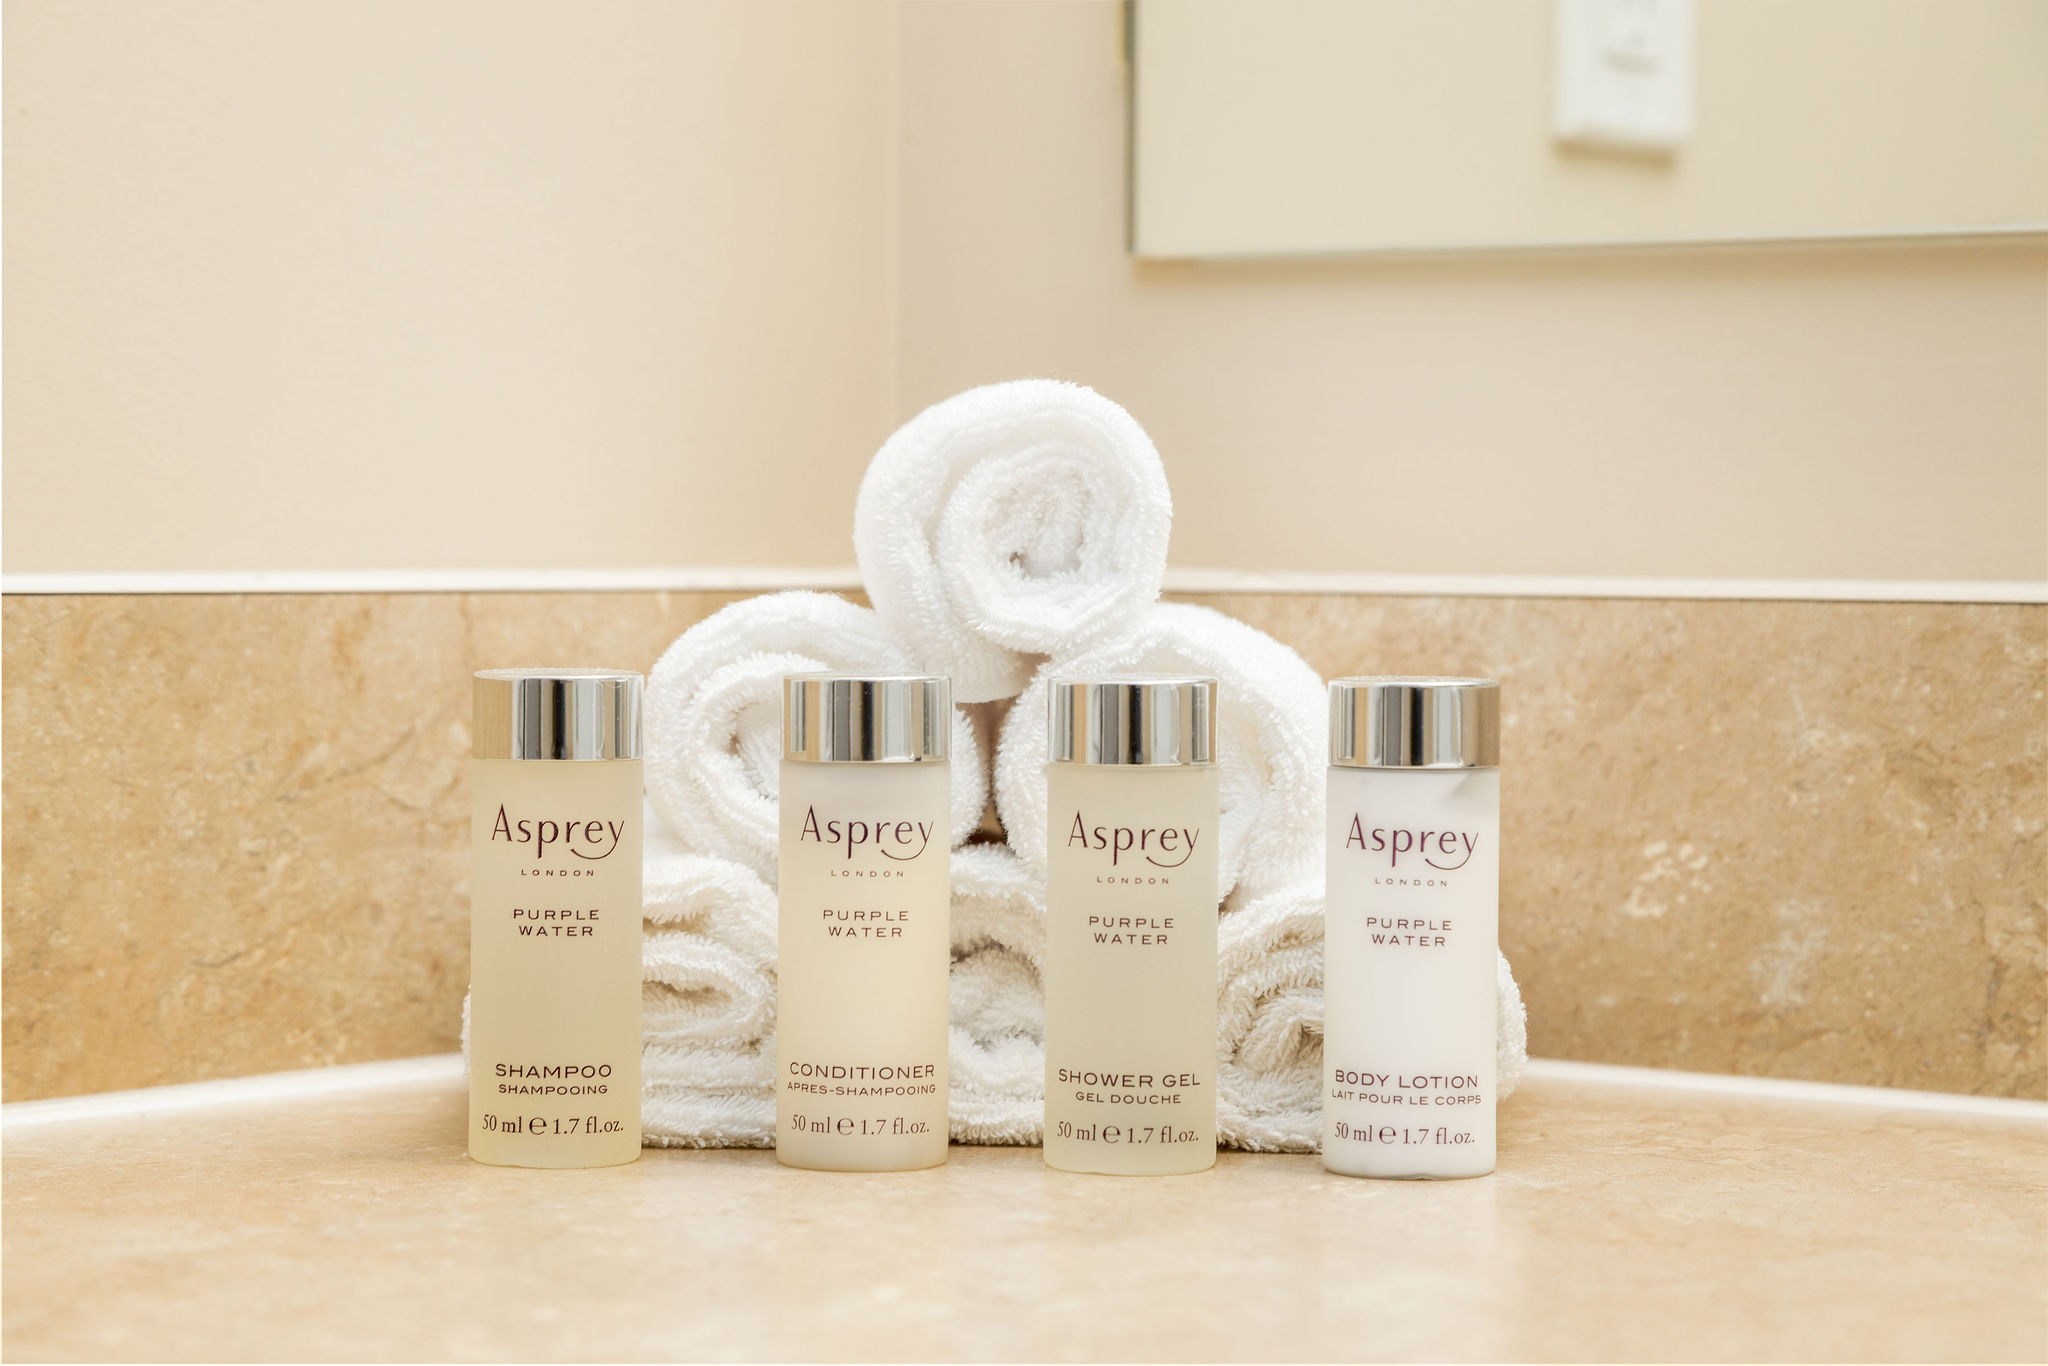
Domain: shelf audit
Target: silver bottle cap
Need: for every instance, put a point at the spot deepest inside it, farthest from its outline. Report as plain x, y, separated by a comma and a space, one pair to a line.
867, 718
1415, 723
556, 714
1136, 719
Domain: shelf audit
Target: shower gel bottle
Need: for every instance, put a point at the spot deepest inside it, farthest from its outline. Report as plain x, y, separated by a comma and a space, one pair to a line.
865, 899
1412, 925
554, 890
1130, 963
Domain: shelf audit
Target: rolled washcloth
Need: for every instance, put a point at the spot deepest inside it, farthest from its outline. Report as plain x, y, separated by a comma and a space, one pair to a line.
997, 1055
1270, 739
709, 1006
708, 1002
1010, 522
707, 999
714, 719
1269, 1023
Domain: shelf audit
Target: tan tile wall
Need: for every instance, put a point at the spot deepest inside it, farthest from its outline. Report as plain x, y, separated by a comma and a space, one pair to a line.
1793, 839
1788, 839
236, 828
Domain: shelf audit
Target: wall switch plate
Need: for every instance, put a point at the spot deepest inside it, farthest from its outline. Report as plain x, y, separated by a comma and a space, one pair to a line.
1624, 74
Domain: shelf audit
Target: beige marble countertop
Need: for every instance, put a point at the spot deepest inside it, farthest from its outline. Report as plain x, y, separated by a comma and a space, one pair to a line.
1623, 1223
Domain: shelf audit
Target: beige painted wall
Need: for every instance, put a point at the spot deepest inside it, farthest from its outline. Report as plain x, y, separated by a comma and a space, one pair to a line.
326, 286
1874, 412
457, 283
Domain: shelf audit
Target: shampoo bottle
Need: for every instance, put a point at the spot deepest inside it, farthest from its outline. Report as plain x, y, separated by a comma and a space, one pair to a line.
1411, 938
554, 997
865, 923
1131, 905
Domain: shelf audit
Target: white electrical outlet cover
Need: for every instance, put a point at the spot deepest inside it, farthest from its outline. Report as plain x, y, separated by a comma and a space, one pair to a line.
1624, 74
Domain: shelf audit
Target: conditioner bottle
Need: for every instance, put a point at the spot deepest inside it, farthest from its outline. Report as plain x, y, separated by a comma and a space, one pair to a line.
1413, 911
1131, 905
865, 923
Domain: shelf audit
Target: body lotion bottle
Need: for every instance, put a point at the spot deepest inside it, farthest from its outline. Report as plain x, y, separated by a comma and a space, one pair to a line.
1411, 937
1130, 967
554, 994
865, 899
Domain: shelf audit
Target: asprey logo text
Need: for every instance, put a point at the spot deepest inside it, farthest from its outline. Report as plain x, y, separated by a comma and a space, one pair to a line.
590, 840
1161, 846
1454, 847
898, 840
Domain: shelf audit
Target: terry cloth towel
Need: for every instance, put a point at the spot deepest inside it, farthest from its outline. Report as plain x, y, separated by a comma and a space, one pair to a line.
1011, 522
709, 1007
1269, 1023
707, 1000
1271, 741
997, 1055
714, 719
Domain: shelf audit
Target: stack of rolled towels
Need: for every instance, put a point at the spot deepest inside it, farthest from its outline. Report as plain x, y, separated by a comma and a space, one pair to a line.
1008, 535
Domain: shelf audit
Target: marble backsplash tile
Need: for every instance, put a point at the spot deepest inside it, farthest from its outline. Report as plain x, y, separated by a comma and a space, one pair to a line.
1780, 838
1792, 839
236, 828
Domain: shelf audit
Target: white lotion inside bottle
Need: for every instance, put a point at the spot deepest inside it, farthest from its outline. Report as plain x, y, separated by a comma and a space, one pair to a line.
1412, 928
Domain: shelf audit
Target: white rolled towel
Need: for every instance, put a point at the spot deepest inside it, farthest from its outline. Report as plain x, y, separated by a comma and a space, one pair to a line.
1511, 1041
1271, 741
700, 1096
708, 948
1009, 522
708, 1004
1269, 1023
997, 1052
997, 903
714, 718
707, 1000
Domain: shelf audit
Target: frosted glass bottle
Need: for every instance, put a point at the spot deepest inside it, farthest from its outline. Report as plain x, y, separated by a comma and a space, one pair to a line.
864, 893
1411, 936
1131, 904
554, 1005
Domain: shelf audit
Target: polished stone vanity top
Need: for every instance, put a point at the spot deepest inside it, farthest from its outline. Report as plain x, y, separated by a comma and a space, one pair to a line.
1623, 1223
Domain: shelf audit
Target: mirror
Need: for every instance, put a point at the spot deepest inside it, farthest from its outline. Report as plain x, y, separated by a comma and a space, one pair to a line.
1324, 127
